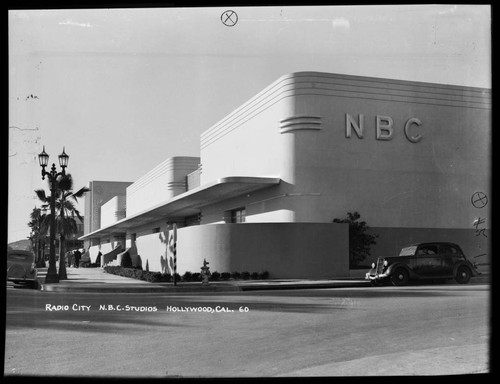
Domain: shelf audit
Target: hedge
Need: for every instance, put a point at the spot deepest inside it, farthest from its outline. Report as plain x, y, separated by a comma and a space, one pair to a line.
138, 274
156, 277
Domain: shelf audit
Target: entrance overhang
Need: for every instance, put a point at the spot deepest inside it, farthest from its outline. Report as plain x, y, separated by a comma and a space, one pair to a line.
188, 203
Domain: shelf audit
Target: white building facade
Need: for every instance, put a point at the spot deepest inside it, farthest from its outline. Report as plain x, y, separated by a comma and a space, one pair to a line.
272, 176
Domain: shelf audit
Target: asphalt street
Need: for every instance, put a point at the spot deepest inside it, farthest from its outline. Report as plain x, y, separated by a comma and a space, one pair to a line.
441, 329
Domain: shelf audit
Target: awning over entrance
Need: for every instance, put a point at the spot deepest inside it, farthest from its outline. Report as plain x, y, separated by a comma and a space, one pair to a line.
188, 203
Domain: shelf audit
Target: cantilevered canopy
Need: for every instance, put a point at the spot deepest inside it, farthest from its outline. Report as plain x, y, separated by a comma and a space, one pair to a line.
188, 203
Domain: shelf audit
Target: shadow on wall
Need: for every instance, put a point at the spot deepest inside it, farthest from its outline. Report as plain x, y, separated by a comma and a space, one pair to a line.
112, 255
166, 257
166, 266
119, 257
171, 264
136, 259
285, 250
163, 236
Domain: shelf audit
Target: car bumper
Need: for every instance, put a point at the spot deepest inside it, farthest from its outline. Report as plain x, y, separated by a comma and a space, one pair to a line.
376, 277
26, 277
21, 279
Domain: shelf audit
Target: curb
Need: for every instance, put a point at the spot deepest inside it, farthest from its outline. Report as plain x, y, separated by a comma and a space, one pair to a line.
129, 288
337, 284
235, 287
125, 288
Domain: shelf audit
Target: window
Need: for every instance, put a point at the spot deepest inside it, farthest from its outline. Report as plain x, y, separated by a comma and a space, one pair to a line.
409, 251
445, 248
427, 250
192, 220
238, 215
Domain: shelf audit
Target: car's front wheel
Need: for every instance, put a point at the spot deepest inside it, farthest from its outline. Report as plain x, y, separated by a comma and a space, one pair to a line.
463, 275
400, 277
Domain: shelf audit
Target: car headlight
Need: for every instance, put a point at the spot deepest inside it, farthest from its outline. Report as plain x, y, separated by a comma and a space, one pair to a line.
386, 263
373, 265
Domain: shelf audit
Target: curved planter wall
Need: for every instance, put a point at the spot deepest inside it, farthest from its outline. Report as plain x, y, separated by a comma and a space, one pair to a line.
285, 250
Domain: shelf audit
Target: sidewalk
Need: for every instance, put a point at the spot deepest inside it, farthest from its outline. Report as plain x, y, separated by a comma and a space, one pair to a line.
96, 280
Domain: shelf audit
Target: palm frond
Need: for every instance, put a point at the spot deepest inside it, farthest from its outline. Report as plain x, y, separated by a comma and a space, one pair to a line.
65, 208
65, 183
77, 213
80, 193
35, 213
45, 224
40, 193
66, 225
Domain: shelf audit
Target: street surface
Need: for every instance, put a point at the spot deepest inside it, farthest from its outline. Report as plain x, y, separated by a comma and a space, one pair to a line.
416, 330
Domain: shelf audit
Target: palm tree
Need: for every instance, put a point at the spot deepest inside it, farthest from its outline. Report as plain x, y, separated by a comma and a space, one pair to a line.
66, 211
38, 234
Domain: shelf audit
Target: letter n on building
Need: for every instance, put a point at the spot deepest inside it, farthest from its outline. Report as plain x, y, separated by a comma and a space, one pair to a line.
351, 123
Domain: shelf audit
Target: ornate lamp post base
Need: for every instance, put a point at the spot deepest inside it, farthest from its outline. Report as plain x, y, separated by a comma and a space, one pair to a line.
52, 276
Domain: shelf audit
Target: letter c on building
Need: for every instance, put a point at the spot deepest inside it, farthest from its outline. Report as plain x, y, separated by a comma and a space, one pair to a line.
415, 138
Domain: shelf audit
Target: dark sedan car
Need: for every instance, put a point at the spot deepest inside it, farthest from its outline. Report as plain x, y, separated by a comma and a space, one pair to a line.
21, 267
438, 260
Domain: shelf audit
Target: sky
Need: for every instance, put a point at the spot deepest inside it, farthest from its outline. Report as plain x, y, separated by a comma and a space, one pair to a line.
121, 90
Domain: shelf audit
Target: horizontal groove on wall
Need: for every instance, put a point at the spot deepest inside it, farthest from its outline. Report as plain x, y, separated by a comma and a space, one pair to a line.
300, 123
168, 165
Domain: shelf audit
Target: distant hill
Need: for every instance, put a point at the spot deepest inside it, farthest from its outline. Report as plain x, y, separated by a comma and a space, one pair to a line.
24, 244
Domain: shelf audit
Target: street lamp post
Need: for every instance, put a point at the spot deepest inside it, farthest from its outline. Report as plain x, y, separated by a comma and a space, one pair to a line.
43, 158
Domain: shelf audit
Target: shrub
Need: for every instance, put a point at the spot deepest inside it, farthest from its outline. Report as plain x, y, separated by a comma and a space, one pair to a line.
166, 277
126, 261
236, 275
154, 276
360, 240
187, 276
264, 275
177, 277
138, 274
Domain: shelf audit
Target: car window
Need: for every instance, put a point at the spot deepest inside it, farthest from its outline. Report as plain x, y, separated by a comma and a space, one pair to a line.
409, 251
427, 250
446, 248
19, 257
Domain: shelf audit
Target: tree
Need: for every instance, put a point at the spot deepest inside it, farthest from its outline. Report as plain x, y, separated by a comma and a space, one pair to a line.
126, 261
66, 211
359, 240
38, 234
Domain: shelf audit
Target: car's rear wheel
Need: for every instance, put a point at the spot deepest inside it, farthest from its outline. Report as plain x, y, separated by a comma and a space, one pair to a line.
463, 275
400, 277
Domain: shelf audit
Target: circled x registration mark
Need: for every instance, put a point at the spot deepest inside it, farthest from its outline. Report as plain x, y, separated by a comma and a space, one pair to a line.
229, 18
